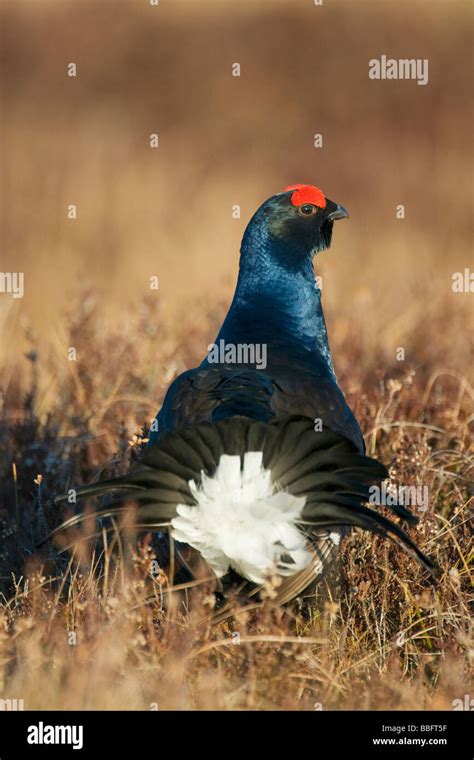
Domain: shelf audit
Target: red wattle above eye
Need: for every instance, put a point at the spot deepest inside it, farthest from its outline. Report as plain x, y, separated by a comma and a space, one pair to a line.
306, 194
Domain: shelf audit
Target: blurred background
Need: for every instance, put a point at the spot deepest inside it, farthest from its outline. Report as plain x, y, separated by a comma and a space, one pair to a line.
227, 140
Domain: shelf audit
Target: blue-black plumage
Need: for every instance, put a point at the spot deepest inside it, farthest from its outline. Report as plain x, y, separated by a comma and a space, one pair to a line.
277, 304
256, 462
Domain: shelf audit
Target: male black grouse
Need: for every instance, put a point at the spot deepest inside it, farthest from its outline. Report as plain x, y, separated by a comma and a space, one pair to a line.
256, 460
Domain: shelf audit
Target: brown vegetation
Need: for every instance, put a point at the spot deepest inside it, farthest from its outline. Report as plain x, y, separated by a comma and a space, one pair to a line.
388, 638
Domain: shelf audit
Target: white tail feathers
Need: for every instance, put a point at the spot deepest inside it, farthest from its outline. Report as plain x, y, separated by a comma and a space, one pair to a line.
241, 521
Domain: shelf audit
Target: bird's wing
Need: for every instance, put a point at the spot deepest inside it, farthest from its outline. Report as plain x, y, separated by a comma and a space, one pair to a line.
215, 392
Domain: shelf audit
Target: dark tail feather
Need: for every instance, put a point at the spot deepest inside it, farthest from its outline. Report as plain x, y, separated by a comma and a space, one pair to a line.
324, 466
328, 514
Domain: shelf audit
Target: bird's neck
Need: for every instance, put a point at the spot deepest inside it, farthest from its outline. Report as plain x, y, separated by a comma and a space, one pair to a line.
277, 300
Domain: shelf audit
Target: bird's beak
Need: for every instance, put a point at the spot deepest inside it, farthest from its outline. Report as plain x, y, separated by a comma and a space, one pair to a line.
339, 213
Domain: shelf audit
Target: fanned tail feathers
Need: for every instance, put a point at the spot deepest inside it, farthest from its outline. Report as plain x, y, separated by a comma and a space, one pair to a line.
323, 467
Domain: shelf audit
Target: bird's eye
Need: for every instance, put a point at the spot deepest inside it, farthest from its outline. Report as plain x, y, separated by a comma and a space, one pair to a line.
307, 209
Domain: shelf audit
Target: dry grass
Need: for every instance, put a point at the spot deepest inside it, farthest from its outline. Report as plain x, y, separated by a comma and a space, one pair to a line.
386, 638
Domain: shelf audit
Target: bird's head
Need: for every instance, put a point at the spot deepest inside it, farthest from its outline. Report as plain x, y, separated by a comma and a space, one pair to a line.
295, 223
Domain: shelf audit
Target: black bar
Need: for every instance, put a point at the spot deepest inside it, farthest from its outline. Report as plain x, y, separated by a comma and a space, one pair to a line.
135, 734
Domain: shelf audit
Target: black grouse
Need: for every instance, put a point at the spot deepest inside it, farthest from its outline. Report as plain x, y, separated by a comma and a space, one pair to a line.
255, 460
